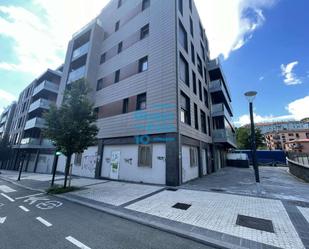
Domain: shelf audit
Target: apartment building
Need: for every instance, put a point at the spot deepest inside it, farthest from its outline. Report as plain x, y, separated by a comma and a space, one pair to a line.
284, 139
164, 109
298, 145
270, 127
6, 120
29, 146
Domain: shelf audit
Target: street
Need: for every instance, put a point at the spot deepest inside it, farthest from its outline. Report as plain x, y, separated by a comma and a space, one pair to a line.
29, 219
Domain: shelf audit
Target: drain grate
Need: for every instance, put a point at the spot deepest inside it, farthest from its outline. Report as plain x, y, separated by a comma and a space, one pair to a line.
255, 223
171, 189
217, 189
182, 206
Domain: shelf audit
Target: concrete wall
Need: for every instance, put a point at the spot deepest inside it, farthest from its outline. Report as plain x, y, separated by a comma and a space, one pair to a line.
45, 163
129, 169
188, 172
299, 170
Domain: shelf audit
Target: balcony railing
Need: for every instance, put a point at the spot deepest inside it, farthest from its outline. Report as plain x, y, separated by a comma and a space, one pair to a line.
40, 103
46, 85
218, 85
35, 123
77, 74
81, 50
35, 142
224, 136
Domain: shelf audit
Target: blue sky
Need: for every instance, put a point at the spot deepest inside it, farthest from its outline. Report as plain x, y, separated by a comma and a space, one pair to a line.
263, 46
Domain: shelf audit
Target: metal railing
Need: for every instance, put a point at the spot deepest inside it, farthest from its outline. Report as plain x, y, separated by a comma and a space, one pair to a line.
45, 85
77, 74
81, 50
302, 158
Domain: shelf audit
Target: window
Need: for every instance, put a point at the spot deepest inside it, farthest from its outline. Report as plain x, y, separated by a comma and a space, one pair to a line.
103, 58
180, 6
297, 135
209, 125
119, 47
143, 64
145, 156
125, 106
117, 76
141, 102
191, 27
117, 26
307, 135
193, 157
196, 116
185, 109
119, 3
144, 32
184, 70
183, 38
145, 4
206, 100
99, 84
192, 53
203, 51
201, 31
200, 90
291, 134
78, 159
190, 5
203, 122
205, 73
194, 83
199, 65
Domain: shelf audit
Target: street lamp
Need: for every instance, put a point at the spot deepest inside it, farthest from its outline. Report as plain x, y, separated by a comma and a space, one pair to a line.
251, 96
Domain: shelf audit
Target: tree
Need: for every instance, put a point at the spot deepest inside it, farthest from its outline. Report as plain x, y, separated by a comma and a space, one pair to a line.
72, 126
243, 137
5, 149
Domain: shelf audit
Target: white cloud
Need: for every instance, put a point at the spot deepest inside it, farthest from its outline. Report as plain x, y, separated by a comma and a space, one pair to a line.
230, 24
290, 77
297, 109
261, 78
5, 99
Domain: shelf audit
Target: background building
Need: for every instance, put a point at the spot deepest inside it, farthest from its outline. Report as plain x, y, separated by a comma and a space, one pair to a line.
6, 120
153, 89
298, 145
281, 126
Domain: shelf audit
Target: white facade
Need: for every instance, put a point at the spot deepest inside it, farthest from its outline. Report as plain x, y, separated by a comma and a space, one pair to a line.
129, 170
189, 171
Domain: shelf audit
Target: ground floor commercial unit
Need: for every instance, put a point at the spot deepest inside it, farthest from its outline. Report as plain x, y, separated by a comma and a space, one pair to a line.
153, 159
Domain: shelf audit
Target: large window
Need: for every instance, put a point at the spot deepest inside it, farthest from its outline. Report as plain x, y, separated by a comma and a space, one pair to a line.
99, 84
180, 6
144, 32
191, 27
203, 122
190, 5
119, 3
125, 105
143, 64
206, 99
203, 51
209, 125
184, 70
192, 53
199, 65
200, 90
141, 102
185, 109
117, 26
145, 4
145, 156
117, 76
196, 117
183, 37
120, 47
103, 58
194, 82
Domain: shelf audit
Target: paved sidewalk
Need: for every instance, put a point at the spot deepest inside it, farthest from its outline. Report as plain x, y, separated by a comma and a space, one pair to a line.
225, 219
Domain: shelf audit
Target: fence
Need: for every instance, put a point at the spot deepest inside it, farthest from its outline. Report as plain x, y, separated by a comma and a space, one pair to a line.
266, 157
301, 158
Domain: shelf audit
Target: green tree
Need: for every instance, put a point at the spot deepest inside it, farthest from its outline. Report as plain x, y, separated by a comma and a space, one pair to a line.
243, 137
72, 126
5, 150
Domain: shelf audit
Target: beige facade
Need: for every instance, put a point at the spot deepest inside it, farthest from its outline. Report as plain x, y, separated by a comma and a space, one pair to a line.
300, 146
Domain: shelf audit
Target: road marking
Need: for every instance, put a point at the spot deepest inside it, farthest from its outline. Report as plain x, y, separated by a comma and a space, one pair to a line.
2, 219
77, 243
7, 197
6, 189
24, 208
27, 196
45, 222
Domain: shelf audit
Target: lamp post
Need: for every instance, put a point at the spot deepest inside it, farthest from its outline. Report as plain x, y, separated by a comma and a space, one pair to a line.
251, 96
57, 154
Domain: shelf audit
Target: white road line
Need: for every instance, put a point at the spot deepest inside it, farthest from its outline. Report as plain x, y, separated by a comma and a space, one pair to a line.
45, 222
6, 189
24, 197
24, 208
7, 197
77, 243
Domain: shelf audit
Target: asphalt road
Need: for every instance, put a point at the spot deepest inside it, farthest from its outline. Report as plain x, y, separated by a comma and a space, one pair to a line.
46, 222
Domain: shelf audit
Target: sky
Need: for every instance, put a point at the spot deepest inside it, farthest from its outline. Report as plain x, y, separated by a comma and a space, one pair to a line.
262, 45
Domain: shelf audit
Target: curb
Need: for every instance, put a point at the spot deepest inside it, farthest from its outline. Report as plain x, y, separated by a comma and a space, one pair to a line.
150, 223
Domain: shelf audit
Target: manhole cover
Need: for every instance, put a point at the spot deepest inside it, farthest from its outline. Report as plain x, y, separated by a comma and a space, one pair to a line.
255, 223
172, 189
182, 206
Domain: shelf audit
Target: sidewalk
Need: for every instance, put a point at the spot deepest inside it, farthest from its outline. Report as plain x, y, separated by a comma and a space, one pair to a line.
222, 219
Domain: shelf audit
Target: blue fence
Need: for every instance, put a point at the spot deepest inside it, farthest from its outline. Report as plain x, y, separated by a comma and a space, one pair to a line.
266, 157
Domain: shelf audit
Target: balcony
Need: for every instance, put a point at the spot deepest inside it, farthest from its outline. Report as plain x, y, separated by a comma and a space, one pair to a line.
218, 90
81, 51
77, 74
224, 136
47, 86
35, 143
40, 103
218, 110
35, 123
